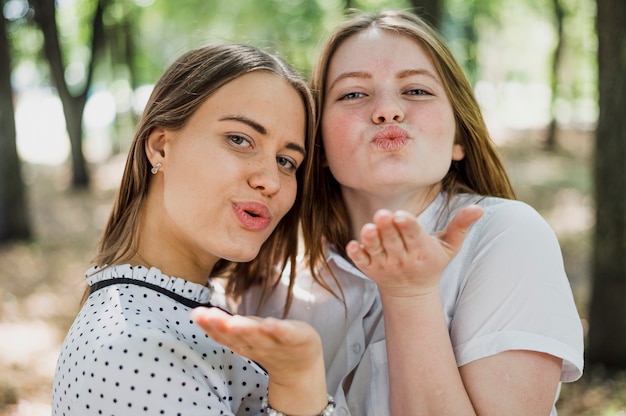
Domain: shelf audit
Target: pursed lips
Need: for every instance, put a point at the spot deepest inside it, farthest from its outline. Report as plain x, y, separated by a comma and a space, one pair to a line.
253, 215
391, 138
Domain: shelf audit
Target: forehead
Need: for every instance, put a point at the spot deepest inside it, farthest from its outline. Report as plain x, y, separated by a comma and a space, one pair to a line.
376, 49
266, 100
258, 90
255, 80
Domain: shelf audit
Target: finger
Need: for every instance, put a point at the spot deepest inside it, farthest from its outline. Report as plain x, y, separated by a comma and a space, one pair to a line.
214, 324
280, 331
389, 234
357, 254
371, 241
208, 317
455, 232
409, 229
270, 334
230, 330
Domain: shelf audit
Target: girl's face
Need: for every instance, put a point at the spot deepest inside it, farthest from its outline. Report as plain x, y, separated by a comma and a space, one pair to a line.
229, 175
388, 127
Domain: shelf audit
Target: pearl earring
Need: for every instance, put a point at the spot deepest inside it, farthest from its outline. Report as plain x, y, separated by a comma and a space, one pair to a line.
155, 168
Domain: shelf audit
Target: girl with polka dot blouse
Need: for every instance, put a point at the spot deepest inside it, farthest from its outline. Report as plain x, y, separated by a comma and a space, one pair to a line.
211, 188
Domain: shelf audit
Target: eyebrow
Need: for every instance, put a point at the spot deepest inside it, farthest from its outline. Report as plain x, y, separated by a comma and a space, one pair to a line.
353, 74
262, 130
409, 72
367, 75
245, 120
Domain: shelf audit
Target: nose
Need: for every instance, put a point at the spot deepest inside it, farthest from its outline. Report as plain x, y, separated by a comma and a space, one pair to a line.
387, 109
265, 178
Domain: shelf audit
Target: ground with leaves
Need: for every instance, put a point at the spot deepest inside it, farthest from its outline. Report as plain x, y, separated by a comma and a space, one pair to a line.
41, 281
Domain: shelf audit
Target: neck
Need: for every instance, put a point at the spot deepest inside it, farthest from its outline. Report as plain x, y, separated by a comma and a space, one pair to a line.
158, 248
362, 207
142, 257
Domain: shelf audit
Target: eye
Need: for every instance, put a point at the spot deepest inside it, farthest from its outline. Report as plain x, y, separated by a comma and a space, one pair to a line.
287, 163
417, 91
239, 141
351, 96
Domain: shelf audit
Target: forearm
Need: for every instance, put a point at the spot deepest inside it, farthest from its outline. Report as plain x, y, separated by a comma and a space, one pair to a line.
424, 377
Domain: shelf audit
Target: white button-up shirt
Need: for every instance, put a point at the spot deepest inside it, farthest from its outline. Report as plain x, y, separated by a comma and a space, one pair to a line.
505, 290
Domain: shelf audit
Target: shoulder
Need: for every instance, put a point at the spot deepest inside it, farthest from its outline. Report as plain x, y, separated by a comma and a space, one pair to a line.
493, 206
509, 242
508, 208
505, 217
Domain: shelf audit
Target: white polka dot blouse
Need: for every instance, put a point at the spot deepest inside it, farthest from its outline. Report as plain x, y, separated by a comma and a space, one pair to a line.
133, 350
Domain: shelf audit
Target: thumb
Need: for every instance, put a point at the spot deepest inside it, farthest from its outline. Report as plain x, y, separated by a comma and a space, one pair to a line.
455, 232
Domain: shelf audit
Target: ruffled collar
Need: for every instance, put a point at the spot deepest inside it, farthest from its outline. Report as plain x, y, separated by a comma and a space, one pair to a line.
99, 276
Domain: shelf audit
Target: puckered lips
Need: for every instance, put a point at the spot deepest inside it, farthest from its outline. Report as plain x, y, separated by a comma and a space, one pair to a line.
391, 138
253, 215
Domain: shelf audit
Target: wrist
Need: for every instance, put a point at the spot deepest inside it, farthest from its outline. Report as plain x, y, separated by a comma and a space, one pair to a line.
424, 293
305, 396
327, 411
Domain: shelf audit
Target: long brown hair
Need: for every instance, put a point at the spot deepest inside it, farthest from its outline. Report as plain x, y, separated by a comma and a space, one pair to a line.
325, 217
182, 88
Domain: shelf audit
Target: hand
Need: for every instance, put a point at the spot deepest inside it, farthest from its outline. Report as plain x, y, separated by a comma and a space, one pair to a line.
397, 253
287, 349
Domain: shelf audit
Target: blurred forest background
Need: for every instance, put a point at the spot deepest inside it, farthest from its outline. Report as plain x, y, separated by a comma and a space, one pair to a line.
74, 75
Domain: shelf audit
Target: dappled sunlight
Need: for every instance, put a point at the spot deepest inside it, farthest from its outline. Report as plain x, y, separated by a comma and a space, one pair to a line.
28, 363
41, 132
40, 128
572, 213
34, 344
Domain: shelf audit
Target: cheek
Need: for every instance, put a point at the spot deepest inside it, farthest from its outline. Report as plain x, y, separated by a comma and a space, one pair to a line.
336, 136
441, 127
196, 176
330, 130
289, 190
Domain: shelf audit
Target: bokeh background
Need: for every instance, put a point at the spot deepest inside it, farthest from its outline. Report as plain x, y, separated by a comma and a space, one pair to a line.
533, 63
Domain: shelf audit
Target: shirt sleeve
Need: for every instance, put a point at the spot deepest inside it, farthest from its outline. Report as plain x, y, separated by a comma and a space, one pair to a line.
515, 294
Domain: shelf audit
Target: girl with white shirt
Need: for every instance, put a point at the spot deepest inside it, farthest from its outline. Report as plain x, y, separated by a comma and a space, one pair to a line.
435, 292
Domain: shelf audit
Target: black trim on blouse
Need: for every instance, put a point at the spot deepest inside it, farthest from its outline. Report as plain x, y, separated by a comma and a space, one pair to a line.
178, 298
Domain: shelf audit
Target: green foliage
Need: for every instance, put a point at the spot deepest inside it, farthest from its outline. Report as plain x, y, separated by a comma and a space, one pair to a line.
502, 42
293, 28
376, 5
290, 27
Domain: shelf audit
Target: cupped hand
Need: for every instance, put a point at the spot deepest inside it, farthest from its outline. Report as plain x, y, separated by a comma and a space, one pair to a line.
401, 257
287, 349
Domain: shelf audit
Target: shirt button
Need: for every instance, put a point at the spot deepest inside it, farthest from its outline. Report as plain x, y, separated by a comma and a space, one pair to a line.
356, 348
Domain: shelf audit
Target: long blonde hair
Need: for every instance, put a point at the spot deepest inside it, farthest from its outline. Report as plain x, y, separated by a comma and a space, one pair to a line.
325, 217
182, 88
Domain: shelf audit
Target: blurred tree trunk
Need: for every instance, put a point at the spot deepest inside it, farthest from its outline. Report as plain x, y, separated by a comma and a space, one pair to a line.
430, 10
468, 28
121, 49
73, 104
14, 222
559, 14
607, 314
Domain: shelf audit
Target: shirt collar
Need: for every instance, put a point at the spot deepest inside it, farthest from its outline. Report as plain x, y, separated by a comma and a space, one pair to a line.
333, 257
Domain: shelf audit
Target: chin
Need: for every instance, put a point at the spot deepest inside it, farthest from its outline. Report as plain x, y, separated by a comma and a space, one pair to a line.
242, 257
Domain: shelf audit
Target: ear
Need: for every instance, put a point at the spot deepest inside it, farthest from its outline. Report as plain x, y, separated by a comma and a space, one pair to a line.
458, 152
155, 145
